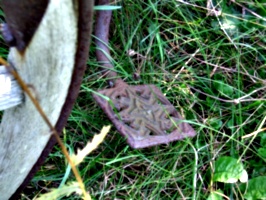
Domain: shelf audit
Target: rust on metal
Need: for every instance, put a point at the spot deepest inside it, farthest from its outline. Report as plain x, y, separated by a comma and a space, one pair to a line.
140, 113
23, 19
143, 115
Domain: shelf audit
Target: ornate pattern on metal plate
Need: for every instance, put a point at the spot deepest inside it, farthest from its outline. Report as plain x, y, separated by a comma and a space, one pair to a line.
143, 115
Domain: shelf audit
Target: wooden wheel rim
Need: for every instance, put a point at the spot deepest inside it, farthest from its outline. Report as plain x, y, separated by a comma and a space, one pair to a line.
55, 73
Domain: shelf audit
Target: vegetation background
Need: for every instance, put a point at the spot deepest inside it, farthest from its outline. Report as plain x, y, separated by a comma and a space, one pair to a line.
208, 58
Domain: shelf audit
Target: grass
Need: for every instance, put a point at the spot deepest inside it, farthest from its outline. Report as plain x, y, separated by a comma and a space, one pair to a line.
211, 68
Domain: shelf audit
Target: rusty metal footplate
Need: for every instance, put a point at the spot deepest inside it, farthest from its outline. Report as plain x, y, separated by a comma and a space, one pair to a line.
143, 115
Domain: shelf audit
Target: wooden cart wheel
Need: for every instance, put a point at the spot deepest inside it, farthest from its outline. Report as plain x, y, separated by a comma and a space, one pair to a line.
50, 41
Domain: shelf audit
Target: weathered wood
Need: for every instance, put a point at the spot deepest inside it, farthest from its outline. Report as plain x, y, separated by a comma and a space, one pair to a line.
53, 63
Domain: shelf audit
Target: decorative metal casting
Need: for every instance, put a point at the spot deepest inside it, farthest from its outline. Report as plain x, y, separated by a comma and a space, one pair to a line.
140, 113
143, 115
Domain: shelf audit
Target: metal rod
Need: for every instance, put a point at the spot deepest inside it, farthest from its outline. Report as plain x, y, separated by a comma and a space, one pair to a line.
103, 18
